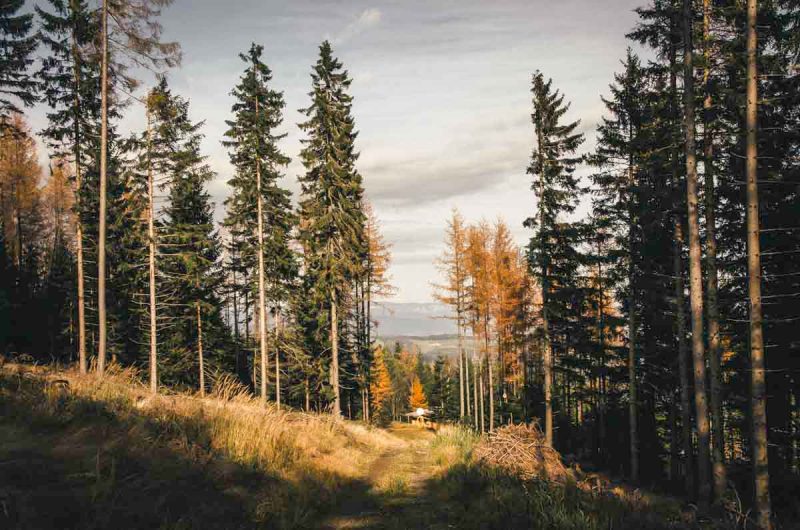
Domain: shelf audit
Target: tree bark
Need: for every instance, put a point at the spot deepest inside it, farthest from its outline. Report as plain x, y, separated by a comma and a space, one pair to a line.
460, 368
151, 258
683, 362
712, 307
101, 236
695, 265
200, 350
334, 375
475, 390
262, 313
482, 399
277, 361
466, 385
76, 78
757, 365
633, 403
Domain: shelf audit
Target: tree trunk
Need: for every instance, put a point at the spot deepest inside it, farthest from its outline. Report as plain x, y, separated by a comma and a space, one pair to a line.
490, 381
547, 363
200, 350
262, 313
680, 314
757, 365
633, 404
277, 360
82, 360
460, 368
308, 395
151, 246
547, 353
334, 375
475, 389
601, 339
695, 265
712, 308
101, 236
482, 392
466, 385
683, 361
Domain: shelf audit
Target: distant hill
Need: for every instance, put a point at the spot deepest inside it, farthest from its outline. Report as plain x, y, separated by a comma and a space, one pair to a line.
431, 346
412, 319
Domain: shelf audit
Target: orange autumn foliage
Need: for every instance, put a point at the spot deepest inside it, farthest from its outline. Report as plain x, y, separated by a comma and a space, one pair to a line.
417, 399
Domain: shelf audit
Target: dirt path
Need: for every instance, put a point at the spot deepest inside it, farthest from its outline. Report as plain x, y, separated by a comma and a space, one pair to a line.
394, 484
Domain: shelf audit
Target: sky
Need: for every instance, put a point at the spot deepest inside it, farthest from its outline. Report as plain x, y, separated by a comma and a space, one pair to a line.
441, 98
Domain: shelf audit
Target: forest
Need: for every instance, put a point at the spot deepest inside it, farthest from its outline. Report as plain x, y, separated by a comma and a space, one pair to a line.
646, 326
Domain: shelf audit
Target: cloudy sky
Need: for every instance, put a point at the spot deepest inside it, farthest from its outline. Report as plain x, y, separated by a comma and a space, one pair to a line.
441, 93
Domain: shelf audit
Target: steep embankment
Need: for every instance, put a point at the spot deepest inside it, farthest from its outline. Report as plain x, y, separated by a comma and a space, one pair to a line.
76, 452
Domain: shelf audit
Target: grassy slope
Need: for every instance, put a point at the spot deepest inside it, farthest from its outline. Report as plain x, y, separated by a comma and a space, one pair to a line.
104, 455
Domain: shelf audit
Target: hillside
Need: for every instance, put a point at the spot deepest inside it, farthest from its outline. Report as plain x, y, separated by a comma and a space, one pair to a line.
76, 452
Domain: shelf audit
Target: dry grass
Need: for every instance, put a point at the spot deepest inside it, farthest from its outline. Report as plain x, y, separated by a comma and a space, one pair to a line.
280, 468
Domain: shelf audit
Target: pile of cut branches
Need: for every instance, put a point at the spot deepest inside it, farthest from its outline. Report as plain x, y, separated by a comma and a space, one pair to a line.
521, 450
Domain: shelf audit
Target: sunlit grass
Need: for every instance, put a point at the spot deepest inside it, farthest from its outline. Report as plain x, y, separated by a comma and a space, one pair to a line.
283, 468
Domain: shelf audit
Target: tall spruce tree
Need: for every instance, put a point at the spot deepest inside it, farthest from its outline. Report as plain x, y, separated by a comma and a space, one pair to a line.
259, 212
130, 36
69, 79
552, 250
191, 246
621, 148
332, 218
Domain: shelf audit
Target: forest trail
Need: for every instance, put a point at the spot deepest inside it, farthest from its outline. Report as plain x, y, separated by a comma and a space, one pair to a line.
394, 492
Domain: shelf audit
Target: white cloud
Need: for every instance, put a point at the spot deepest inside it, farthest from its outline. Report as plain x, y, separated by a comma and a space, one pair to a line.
367, 19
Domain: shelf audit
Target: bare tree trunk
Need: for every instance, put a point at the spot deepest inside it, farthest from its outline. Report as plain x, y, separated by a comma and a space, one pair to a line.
277, 360
262, 313
683, 361
547, 354
460, 369
308, 395
200, 350
490, 382
757, 364
547, 363
82, 360
482, 392
151, 245
101, 236
633, 400
334, 375
466, 385
475, 390
712, 308
695, 265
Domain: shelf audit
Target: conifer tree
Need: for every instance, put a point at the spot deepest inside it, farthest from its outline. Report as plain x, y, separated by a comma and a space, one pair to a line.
556, 189
332, 218
69, 79
621, 148
132, 26
453, 292
381, 385
16, 56
417, 398
191, 246
259, 211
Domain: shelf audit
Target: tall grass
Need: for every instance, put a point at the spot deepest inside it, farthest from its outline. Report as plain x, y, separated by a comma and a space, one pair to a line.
246, 464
